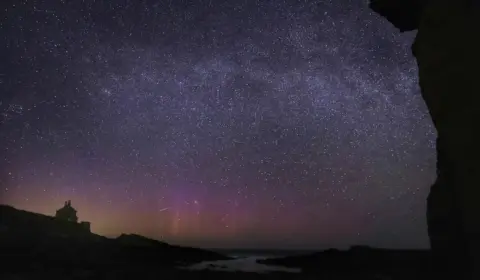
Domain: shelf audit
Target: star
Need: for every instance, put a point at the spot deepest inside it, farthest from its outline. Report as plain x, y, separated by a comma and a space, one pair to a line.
177, 120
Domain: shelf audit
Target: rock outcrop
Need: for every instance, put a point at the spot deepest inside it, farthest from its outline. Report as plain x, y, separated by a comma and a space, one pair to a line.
34, 240
359, 262
447, 51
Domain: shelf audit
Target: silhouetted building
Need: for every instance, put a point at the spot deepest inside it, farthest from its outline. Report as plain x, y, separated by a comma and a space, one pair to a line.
85, 226
67, 213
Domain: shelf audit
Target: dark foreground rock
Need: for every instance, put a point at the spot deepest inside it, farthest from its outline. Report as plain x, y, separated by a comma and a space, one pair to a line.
34, 246
133, 273
361, 261
30, 241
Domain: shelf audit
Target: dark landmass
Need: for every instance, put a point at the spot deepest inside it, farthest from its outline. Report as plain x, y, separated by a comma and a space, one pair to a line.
34, 245
360, 260
34, 240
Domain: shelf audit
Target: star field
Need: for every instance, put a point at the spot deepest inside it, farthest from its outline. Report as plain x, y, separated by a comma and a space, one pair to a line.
280, 124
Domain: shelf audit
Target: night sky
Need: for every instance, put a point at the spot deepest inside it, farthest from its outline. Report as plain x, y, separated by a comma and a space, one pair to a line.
246, 124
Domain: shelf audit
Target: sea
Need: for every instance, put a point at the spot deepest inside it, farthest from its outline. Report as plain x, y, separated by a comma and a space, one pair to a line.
262, 253
245, 260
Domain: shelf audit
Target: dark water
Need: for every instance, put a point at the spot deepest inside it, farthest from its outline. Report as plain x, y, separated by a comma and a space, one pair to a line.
246, 260
269, 253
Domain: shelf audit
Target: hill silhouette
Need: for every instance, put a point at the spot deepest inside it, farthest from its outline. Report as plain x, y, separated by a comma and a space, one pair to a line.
31, 239
33, 245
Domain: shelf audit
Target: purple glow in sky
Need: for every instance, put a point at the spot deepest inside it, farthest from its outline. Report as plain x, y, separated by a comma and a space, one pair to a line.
216, 123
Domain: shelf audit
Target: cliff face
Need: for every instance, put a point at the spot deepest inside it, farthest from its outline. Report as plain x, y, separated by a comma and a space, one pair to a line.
403, 14
446, 48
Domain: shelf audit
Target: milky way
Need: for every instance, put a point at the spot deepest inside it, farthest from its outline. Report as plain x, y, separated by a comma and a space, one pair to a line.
216, 123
